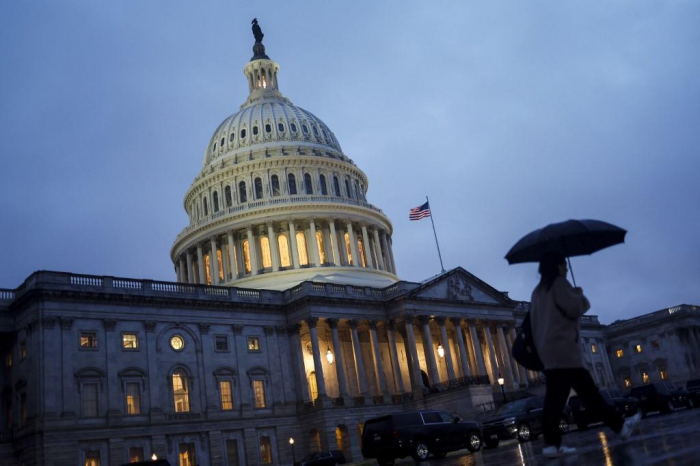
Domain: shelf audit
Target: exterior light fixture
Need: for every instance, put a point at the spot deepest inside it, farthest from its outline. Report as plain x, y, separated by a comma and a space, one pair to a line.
291, 444
291, 441
441, 351
154, 457
501, 380
329, 356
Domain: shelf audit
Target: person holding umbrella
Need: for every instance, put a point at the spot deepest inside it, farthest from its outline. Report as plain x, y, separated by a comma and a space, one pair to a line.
555, 311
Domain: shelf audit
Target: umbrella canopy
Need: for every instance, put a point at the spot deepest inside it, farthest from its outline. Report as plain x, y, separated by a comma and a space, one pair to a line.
570, 238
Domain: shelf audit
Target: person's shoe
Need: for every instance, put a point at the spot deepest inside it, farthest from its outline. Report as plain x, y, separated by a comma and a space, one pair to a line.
553, 452
629, 426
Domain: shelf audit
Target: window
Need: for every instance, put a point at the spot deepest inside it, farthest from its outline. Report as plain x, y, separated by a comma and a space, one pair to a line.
206, 208
268, 128
313, 388
133, 398
305, 129
255, 130
226, 395
291, 184
130, 341
221, 267
88, 392
324, 188
23, 349
186, 454
232, 137
259, 389
216, 201
275, 181
23, 409
227, 196
645, 377
347, 248
181, 391
207, 268
92, 458
222, 142
358, 196
307, 184
280, 127
232, 453
136, 454
177, 342
663, 374
294, 127
88, 340
265, 252
301, 247
620, 353
321, 248
361, 252
628, 381
246, 256
242, 194
336, 186
284, 250
265, 450
594, 348
243, 133
221, 342
258, 188
213, 149
656, 344
8, 360
347, 188
638, 349
253, 344
315, 130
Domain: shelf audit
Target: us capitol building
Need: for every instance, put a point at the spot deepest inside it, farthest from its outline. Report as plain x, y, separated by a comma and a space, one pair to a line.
287, 320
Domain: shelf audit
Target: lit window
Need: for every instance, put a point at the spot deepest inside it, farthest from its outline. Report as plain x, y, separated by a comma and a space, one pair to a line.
23, 350
186, 454
347, 248
638, 349
284, 250
207, 270
313, 388
181, 391
88, 340
594, 349
259, 389
265, 450
246, 256
663, 374
265, 252
301, 247
361, 252
89, 399
656, 344
221, 342
130, 341
628, 382
226, 395
133, 398
291, 184
221, 267
136, 454
645, 377
92, 458
8, 360
620, 353
177, 342
253, 344
321, 249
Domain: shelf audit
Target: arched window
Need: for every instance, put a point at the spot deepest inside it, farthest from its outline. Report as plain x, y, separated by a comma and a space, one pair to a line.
275, 180
362, 192
336, 186
227, 196
213, 149
347, 188
293, 127
258, 188
324, 188
232, 136
361, 252
307, 184
243, 133
358, 196
292, 184
265, 252
242, 194
223, 141
196, 211
315, 130
301, 247
206, 208
268, 128
280, 127
283, 244
246, 256
255, 130
348, 249
313, 389
321, 248
216, 201
181, 391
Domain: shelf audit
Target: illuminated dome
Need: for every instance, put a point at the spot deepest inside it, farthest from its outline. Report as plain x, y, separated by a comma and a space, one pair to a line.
278, 203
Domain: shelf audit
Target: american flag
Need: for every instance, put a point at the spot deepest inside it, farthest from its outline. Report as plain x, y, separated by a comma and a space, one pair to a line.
420, 212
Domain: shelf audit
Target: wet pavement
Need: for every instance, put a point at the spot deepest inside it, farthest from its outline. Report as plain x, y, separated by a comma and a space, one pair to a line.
672, 439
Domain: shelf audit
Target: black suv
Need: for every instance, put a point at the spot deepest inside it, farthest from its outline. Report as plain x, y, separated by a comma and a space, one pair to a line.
693, 389
520, 419
660, 396
418, 434
624, 405
322, 458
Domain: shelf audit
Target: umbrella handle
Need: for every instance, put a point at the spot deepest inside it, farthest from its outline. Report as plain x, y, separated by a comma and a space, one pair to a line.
572, 271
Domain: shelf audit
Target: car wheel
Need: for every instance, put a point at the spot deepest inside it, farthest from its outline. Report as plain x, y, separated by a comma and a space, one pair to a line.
523, 433
563, 426
491, 443
421, 451
385, 461
474, 442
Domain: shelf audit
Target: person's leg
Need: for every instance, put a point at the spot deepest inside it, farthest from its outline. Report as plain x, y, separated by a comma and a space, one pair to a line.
558, 387
585, 387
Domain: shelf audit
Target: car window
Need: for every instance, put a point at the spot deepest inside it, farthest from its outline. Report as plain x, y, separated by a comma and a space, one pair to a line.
431, 417
446, 417
514, 407
407, 419
323, 454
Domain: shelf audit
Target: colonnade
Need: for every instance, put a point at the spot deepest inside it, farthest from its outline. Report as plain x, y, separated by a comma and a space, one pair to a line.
284, 245
444, 349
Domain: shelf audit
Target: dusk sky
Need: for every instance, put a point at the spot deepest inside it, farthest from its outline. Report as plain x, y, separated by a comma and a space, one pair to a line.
510, 115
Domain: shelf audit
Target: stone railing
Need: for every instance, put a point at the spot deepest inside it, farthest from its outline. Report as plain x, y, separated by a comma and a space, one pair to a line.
402, 398
7, 295
677, 311
453, 384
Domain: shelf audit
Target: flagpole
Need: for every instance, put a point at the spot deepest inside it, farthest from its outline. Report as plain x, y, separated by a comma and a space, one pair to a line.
436, 240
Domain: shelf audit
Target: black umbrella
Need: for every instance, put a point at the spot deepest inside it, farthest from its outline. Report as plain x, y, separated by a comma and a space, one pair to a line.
570, 238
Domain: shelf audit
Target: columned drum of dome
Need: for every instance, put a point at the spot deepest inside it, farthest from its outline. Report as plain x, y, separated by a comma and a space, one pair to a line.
277, 202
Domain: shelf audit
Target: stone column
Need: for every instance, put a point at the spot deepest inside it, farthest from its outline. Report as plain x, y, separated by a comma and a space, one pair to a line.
492, 353
394, 354
391, 256
200, 264
274, 248
318, 365
356, 261
357, 353
334, 243
339, 362
464, 359
297, 351
181, 270
190, 275
446, 347
428, 349
313, 244
252, 251
214, 262
232, 256
377, 358
368, 250
517, 372
385, 249
377, 246
478, 354
505, 356
414, 363
293, 241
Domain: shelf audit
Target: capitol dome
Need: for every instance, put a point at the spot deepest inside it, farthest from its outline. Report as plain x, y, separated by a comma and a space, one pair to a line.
277, 202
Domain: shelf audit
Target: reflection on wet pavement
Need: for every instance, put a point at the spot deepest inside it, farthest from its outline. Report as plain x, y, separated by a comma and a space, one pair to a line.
672, 439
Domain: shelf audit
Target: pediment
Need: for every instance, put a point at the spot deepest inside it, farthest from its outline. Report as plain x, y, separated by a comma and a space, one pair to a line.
460, 285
